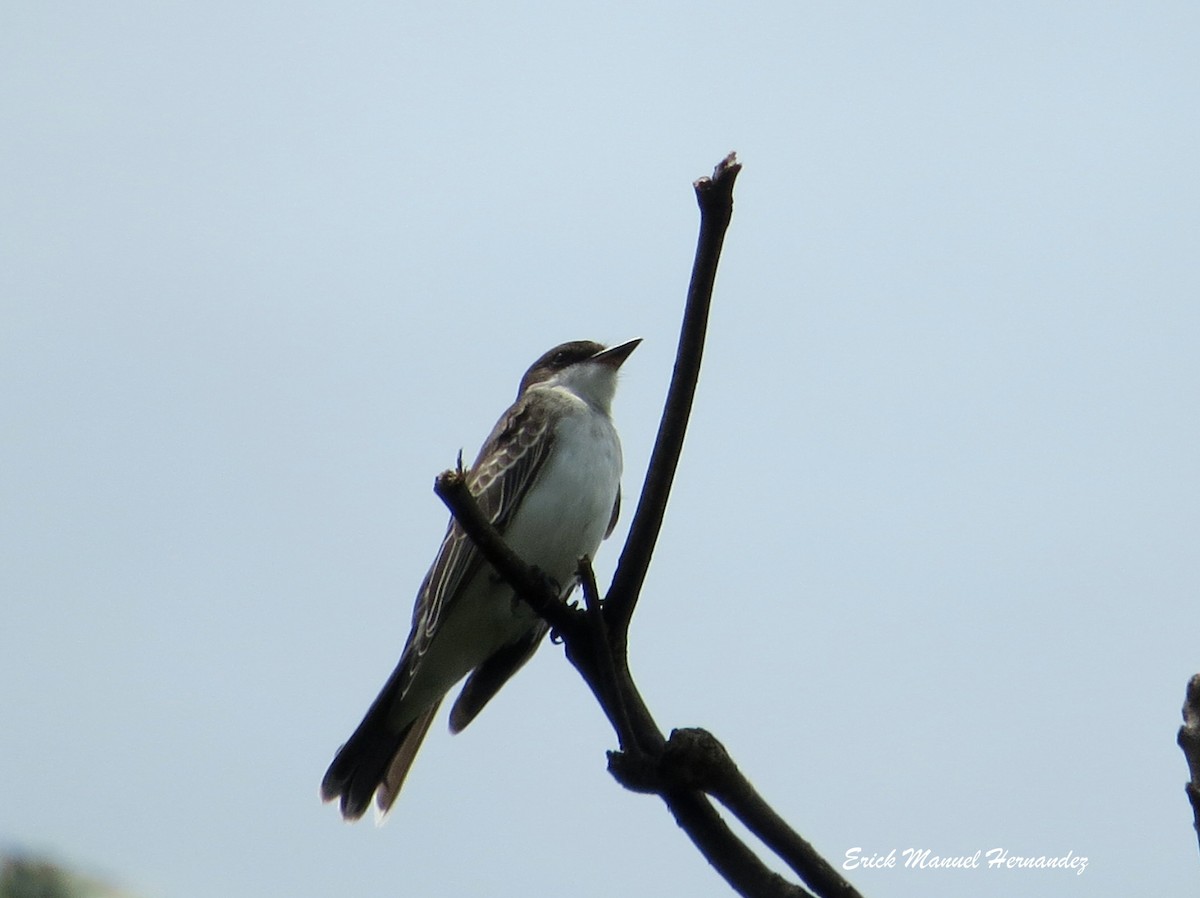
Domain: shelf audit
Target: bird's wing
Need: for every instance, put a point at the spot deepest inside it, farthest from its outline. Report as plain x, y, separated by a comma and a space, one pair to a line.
377, 755
508, 463
616, 513
486, 679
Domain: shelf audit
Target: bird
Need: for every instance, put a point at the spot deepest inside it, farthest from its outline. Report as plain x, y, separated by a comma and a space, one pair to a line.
548, 477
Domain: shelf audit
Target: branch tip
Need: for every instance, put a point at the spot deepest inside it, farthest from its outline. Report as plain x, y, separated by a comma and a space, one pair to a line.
727, 168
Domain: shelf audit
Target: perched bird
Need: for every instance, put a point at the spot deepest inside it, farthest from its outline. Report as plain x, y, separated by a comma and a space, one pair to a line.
549, 478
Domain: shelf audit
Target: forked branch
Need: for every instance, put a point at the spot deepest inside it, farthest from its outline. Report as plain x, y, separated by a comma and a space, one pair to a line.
691, 766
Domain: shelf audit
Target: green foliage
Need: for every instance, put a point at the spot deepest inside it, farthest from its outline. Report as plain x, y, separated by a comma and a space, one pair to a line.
31, 878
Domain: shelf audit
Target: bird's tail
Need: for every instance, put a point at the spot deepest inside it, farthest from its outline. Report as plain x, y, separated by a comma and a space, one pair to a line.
374, 762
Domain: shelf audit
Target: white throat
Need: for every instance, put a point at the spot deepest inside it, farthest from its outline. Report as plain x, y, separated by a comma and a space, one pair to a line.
593, 382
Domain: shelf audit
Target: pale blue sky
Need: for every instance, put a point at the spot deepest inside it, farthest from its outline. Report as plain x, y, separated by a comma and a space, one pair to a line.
930, 569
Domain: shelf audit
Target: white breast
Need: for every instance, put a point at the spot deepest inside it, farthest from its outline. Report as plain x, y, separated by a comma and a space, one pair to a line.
568, 508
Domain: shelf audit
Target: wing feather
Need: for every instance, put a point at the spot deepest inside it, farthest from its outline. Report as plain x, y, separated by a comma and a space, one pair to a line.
508, 463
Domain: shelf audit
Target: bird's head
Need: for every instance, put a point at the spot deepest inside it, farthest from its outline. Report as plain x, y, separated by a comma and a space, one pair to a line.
586, 368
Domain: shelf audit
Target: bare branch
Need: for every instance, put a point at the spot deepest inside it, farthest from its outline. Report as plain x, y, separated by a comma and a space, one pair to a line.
1189, 741
738, 864
607, 679
715, 196
723, 849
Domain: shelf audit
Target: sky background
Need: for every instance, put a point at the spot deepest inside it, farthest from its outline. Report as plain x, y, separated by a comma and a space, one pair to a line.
930, 569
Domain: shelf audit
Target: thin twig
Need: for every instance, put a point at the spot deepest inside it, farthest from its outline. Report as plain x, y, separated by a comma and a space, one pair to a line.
1189, 741
715, 196
702, 761
728, 855
626, 735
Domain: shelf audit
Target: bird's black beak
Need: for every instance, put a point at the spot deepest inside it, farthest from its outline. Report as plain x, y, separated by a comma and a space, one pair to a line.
615, 356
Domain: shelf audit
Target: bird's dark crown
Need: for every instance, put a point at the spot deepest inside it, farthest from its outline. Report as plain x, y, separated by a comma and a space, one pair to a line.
562, 356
